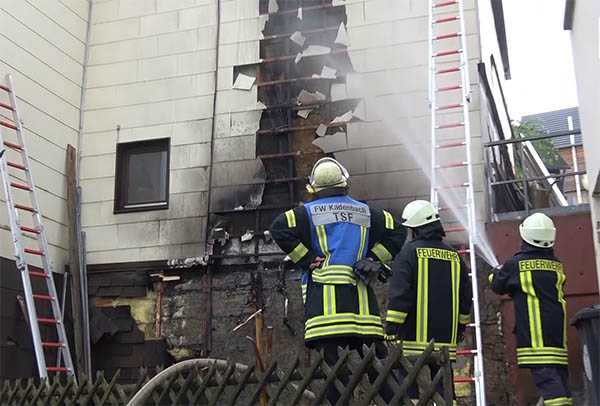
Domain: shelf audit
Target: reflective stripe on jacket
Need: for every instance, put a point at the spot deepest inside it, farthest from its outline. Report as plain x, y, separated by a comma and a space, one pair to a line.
341, 310
339, 234
535, 279
340, 230
429, 296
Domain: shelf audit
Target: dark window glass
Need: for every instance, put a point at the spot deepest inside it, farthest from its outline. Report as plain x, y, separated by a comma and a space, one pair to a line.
142, 178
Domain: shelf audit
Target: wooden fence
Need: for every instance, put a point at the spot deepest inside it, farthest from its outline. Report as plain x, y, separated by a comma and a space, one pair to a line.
217, 382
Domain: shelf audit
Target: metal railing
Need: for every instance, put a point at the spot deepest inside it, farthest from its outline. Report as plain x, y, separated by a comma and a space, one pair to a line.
515, 166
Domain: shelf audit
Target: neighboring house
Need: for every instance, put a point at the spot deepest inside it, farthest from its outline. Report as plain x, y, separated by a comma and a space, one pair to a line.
178, 162
562, 121
581, 18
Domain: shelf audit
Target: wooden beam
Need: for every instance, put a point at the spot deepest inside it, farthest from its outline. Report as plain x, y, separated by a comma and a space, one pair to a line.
74, 259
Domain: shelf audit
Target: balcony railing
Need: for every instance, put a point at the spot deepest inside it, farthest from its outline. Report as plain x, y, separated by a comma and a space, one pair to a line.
525, 174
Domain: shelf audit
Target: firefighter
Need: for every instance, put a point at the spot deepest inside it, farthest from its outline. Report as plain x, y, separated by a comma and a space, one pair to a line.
430, 290
534, 278
338, 242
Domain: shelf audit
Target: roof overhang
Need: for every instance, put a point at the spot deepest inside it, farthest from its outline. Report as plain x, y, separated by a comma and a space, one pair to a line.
569, 11
596, 189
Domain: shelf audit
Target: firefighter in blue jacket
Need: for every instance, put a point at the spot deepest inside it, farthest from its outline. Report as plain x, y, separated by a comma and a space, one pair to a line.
340, 243
534, 278
430, 293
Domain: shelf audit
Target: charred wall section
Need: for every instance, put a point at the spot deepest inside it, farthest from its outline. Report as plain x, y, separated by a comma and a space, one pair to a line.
123, 321
301, 60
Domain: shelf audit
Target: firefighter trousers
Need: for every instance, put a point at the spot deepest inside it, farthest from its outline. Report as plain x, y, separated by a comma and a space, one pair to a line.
552, 382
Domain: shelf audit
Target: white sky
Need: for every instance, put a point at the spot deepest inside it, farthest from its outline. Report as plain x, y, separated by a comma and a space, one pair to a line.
541, 64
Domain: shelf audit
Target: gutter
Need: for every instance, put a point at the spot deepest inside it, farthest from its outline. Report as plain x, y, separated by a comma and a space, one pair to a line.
81, 248
207, 285
86, 57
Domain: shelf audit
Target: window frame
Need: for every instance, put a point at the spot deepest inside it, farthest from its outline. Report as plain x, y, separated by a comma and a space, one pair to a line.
124, 150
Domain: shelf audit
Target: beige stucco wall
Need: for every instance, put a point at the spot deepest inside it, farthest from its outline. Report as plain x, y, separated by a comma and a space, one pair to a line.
151, 73
42, 45
586, 56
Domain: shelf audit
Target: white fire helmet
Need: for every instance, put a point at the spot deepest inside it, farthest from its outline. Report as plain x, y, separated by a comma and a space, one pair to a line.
538, 230
327, 173
418, 213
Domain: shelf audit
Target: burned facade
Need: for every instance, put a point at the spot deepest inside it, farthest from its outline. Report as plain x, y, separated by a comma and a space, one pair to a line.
228, 104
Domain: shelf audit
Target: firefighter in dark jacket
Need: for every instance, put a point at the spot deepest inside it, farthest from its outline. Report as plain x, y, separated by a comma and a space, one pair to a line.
430, 289
339, 243
534, 278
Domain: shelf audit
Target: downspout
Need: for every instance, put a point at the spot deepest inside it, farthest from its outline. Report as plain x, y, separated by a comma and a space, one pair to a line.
208, 276
86, 56
87, 351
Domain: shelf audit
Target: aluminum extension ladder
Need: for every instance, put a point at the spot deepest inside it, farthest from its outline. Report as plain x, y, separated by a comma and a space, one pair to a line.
17, 175
447, 42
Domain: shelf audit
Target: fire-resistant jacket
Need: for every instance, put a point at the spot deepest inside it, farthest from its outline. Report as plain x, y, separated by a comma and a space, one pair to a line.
534, 278
429, 296
341, 230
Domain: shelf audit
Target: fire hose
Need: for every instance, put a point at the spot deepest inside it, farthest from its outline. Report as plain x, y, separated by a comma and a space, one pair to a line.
144, 394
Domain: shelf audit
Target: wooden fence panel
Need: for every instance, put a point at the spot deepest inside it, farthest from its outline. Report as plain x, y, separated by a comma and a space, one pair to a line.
219, 382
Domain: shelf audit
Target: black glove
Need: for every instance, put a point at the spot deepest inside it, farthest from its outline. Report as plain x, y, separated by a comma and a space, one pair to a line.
384, 274
493, 272
367, 269
287, 264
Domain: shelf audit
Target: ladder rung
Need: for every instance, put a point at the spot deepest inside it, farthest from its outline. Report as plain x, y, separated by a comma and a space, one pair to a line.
455, 186
38, 274
454, 165
16, 165
13, 145
463, 379
7, 106
445, 3
30, 230
42, 297
46, 320
466, 351
472, 325
447, 53
8, 125
454, 229
57, 369
21, 186
463, 252
451, 144
450, 106
26, 208
450, 125
446, 36
34, 252
446, 19
50, 344
447, 70
448, 88
444, 209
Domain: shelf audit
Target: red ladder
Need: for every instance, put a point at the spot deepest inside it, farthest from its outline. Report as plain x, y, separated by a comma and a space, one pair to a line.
15, 170
447, 42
